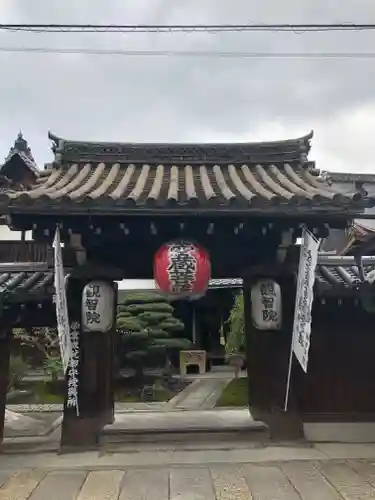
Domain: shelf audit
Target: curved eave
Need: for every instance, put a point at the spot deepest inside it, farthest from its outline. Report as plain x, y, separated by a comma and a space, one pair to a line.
364, 227
270, 151
119, 188
360, 234
258, 144
24, 287
107, 208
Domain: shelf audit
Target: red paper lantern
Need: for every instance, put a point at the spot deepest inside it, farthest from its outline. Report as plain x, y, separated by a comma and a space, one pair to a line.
182, 269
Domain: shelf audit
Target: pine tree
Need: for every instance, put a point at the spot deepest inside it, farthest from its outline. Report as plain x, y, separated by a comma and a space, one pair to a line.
148, 330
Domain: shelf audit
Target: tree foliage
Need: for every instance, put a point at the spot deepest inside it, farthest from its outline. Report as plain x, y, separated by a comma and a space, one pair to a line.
17, 372
46, 341
148, 329
236, 337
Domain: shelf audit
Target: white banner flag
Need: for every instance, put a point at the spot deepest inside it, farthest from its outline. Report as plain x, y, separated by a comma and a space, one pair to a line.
61, 304
304, 297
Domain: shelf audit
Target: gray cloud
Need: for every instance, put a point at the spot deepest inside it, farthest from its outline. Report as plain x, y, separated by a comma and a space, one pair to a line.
191, 99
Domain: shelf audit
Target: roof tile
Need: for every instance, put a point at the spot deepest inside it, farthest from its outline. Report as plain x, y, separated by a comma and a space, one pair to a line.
242, 176
218, 185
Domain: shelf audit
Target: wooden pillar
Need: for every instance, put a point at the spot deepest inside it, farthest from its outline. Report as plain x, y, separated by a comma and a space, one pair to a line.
105, 376
110, 365
267, 356
249, 342
76, 429
5, 341
194, 325
95, 380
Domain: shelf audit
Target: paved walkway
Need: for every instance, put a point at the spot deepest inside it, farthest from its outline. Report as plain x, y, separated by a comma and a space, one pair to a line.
298, 474
203, 392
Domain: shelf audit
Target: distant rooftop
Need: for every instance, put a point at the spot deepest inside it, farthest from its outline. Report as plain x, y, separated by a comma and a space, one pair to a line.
23, 151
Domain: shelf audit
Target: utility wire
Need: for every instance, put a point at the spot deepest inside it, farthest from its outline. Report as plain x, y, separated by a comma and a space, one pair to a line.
198, 54
185, 28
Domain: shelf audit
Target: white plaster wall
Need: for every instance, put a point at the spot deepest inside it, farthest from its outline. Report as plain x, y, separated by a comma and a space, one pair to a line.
148, 285
7, 234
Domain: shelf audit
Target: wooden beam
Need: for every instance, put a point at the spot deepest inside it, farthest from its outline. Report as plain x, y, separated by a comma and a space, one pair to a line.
75, 242
19, 267
343, 260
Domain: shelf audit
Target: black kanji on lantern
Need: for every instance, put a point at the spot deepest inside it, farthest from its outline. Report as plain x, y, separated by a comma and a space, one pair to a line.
182, 266
93, 295
93, 291
269, 315
92, 317
268, 299
91, 304
267, 289
268, 295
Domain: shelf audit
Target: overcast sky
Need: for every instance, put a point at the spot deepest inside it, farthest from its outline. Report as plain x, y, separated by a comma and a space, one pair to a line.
152, 99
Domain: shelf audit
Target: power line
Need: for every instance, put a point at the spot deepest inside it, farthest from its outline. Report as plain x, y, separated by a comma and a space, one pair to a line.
185, 28
198, 54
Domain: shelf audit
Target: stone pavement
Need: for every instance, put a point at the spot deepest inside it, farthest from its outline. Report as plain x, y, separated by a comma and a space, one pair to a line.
183, 426
40, 420
30, 424
217, 419
203, 392
274, 473
58, 408
135, 427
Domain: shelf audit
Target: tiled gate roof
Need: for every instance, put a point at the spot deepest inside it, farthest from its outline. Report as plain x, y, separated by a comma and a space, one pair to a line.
40, 283
113, 176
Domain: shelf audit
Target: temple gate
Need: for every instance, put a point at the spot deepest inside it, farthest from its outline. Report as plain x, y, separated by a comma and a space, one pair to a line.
116, 204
